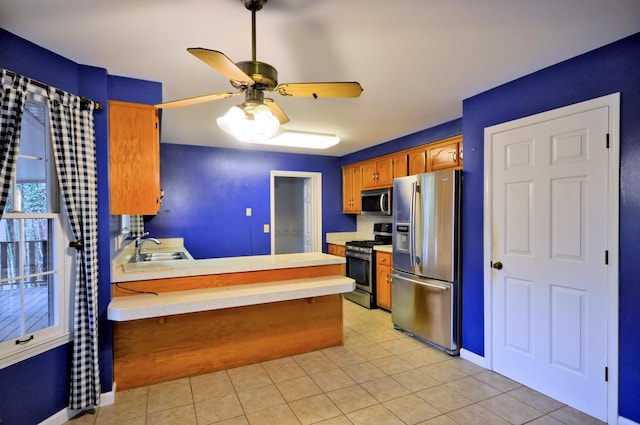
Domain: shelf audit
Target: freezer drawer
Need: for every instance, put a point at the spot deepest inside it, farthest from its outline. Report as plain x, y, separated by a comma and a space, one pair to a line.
427, 309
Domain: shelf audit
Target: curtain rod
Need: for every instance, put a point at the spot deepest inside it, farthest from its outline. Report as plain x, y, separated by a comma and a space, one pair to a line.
97, 107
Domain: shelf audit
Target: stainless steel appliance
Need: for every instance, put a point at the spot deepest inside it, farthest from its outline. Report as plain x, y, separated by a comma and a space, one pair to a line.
376, 201
426, 291
361, 261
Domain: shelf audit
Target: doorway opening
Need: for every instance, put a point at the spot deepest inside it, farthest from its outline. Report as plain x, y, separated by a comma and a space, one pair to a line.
296, 212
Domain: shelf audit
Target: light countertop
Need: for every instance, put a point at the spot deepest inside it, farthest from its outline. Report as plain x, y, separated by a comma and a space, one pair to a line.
384, 248
145, 306
123, 271
340, 238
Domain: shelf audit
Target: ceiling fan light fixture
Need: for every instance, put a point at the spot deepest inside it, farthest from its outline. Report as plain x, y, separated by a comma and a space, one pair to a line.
249, 124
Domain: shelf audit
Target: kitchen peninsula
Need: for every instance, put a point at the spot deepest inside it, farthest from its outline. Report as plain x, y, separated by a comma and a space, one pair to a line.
185, 317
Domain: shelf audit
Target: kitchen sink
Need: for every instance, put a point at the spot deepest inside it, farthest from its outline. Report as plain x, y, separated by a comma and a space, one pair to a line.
158, 256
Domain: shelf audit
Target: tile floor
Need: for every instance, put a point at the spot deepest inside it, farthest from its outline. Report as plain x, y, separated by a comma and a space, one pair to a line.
380, 376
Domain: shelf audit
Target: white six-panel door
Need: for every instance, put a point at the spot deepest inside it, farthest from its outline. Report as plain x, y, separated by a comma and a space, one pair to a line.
549, 203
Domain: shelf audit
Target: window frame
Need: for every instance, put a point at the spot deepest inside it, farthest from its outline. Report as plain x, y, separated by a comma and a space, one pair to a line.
63, 265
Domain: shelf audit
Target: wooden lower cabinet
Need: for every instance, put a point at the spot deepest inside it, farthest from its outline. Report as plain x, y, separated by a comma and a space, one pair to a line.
334, 249
338, 250
383, 279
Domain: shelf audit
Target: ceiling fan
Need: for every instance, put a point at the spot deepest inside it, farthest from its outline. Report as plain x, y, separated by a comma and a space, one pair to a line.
253, 78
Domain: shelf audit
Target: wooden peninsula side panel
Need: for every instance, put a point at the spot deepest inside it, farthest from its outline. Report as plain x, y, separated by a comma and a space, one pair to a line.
149, 351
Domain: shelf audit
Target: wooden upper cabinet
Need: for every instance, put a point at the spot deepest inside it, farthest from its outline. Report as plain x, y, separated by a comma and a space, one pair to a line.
400, 165
134, 158
445, 154
417, 161
351, 187
377, 173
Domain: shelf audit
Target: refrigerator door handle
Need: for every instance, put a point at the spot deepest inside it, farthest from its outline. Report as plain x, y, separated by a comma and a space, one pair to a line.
412, 225
430, 284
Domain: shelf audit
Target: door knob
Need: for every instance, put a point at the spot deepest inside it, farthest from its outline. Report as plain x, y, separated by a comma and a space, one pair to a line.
497, 265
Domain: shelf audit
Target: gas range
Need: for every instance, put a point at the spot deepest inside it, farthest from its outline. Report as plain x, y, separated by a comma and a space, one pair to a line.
360, 258
365, 246
381, 234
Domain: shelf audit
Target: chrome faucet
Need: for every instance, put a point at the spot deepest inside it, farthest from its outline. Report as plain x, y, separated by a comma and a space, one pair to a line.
140, 240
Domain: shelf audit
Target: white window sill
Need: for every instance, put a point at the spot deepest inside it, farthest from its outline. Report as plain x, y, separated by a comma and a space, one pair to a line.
34, 349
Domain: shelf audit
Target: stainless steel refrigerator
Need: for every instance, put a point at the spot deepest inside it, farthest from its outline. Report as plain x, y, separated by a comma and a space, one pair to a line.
426, 293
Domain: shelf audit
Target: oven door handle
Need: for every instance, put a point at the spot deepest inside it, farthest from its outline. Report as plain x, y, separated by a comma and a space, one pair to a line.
358, 255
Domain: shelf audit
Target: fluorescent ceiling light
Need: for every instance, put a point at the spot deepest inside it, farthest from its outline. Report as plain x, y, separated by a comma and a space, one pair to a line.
302, 139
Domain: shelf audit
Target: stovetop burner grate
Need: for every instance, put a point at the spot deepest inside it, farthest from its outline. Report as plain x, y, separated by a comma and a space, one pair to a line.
366, 243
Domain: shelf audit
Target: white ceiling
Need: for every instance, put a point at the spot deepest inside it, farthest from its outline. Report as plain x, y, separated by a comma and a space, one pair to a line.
416, 59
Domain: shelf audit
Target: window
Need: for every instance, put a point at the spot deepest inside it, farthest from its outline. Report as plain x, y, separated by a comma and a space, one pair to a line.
33, 288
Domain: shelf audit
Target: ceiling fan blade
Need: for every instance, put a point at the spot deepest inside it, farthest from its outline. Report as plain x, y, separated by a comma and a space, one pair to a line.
316, 90
197, 99
221, 63
276, 110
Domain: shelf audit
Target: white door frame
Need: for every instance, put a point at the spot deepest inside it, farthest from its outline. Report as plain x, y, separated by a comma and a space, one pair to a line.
316, 206
611, 101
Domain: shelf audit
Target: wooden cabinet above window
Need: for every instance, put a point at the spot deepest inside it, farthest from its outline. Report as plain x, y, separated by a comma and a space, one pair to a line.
134, 158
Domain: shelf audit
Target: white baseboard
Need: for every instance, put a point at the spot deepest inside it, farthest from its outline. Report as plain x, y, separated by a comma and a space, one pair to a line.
474, 358
65, 414
625, 421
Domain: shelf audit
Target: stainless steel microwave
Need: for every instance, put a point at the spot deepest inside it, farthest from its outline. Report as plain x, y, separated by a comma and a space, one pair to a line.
376, 201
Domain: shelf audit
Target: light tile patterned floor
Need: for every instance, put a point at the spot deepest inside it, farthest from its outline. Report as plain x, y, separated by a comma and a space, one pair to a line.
380, 376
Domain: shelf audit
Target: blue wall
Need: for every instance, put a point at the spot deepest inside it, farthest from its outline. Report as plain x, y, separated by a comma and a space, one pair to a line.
37, 388
439, 132
208, 189
613, 68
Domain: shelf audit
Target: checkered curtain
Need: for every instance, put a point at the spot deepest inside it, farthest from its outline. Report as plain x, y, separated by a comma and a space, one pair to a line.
136, 226
14, 95
73, 138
